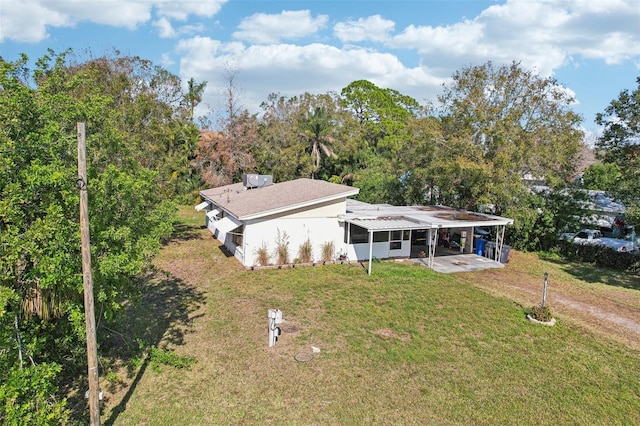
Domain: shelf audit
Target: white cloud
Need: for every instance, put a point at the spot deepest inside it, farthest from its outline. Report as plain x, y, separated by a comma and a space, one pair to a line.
118, 13
164, 27
181, 10
166, 60
544, 35
372, 28
292, 70
28, 20
262, 28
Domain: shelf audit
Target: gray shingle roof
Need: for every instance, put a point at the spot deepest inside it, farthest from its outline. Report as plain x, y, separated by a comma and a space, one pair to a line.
246, 203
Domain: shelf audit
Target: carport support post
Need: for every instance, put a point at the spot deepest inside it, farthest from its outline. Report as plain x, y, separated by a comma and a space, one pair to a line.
370, 250
544, 289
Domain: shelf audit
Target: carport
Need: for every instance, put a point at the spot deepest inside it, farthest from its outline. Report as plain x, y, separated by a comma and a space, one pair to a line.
434, 221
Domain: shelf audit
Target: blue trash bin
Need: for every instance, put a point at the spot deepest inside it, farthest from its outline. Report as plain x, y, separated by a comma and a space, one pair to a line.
479, 244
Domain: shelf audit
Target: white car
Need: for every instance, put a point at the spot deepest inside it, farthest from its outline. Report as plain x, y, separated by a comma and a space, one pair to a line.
594, 237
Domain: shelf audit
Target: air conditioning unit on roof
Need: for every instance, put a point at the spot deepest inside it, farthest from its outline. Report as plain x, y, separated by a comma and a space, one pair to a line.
256, 181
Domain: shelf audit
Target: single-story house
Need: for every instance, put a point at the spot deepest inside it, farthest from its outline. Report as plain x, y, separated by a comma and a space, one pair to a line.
257, 213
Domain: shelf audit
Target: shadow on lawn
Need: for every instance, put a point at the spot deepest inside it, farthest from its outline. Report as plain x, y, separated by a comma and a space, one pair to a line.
593, 274
183, 232
162, 315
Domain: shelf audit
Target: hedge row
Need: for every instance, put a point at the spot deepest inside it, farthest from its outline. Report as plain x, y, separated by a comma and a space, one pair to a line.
600, 256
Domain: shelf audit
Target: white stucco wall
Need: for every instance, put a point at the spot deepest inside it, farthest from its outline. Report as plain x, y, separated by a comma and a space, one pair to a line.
319, 224
380, 250
329, 209
318, 230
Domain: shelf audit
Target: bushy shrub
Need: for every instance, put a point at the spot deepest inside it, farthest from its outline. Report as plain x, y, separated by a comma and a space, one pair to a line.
328, 251
304, 253
541, 313
27, 397
282, 248
262, 255
600, 256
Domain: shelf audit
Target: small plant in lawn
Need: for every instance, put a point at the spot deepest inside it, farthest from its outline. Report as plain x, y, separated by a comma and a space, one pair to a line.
304, 253
328, 251
262, 255
541, 313
282, 248
113, 379
166, 357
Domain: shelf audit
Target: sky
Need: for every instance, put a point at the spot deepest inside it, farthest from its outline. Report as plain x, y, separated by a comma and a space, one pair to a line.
288, 47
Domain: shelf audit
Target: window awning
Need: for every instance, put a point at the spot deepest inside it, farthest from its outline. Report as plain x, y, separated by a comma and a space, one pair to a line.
202, 205
227, 224
213, 213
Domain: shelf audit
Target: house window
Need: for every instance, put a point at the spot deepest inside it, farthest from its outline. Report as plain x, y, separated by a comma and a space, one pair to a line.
236, 235
396, 240
358, 234
406, 235
381, 237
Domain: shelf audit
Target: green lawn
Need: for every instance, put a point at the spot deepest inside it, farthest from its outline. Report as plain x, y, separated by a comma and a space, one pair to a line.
403, 346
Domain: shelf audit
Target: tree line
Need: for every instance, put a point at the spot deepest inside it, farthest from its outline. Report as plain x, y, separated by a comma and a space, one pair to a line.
492, 126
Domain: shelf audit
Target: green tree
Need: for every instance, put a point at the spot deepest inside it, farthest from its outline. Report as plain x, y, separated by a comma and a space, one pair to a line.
380, 137
604, 177
296, 132
621, 127
510, 122
149, 117
540, 217
40, 259
619, 147
315, 127
194, 95
382, 112
281, 151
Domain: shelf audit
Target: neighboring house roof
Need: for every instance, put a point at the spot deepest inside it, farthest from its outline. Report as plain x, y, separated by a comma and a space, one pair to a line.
601, 202
280, 197
378, 217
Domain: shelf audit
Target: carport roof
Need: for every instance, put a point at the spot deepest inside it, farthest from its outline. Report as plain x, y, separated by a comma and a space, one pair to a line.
380, 217
385, 223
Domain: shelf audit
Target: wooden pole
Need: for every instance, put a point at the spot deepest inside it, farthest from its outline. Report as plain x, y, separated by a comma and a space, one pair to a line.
87, 278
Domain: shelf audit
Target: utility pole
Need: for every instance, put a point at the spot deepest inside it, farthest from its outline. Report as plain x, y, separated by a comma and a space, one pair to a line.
87, 279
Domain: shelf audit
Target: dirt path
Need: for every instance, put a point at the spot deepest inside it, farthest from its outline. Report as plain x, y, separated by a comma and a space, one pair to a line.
612, 313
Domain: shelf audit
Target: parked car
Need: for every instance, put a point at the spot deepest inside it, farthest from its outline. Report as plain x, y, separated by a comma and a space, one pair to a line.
595, 237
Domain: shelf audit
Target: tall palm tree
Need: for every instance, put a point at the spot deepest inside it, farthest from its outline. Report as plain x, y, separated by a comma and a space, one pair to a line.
194, 94
315, 126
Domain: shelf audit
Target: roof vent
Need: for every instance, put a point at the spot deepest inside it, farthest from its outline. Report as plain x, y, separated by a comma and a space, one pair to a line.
256, 181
